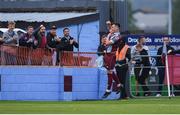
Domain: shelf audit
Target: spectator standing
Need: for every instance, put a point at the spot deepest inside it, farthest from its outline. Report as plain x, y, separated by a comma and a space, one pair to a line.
52, 41
42, 52
10, 36
101, 51
160, 61
28, 41
67, 44
28, 38
40, 37
140, 58
102, 47
108, 25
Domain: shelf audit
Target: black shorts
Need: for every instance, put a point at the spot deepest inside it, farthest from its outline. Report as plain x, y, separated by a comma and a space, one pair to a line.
141, 73
136, 73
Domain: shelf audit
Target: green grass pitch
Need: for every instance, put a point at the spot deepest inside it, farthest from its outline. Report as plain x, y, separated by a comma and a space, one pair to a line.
144, 106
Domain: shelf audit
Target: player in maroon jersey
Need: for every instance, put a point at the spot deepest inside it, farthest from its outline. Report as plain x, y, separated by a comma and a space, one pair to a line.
110, 58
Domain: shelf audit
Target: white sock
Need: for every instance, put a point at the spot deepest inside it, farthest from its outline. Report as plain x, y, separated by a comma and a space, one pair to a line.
107, 90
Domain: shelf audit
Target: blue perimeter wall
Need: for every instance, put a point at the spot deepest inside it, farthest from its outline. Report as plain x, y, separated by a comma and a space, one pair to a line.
47, 83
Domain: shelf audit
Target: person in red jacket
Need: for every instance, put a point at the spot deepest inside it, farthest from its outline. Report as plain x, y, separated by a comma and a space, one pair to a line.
41, 37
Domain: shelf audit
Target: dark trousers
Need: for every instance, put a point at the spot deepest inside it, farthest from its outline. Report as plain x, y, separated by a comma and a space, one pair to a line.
57, 56
161, 74
141, 78
122, 74
59, 50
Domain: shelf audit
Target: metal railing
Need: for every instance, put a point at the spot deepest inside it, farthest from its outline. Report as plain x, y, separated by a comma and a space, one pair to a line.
171, 82
17, 55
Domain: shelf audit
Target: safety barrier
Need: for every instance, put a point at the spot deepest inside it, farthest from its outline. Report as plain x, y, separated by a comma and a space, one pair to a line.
172, 71
13, 55
86, 59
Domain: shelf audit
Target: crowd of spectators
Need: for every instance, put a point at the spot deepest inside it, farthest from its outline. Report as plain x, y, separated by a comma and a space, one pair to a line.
40, 38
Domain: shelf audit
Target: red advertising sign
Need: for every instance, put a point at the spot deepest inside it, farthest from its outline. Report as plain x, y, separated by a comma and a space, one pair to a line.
174, 70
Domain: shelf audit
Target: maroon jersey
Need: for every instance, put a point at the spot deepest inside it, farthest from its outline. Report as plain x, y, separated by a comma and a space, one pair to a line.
114, 38
110, 57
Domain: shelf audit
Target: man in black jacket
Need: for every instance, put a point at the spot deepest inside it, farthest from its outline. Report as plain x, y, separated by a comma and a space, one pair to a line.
67, 44
102, 47
28, 39
52, 42
160, 61
52, 39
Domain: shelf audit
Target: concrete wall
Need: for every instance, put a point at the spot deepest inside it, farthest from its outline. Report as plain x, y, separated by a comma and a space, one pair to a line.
52, 83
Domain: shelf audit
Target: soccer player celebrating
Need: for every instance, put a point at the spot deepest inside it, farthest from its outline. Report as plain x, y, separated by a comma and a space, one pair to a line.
110, 58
